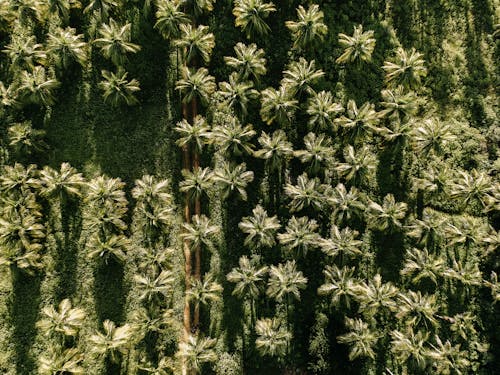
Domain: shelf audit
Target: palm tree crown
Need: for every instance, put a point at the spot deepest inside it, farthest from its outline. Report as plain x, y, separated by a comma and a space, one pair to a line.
250, 15
406, 69
115, 42
309, 28
260, 228
249, 61
358, 47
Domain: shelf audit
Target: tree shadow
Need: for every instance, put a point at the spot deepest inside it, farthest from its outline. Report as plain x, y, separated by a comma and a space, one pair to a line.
110, 291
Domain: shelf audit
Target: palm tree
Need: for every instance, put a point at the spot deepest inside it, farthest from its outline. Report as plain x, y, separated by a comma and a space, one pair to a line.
66, 320
61, 361
307, 193
339, 285
300, 235
199, 85
388, 215
238, 94
361, 339
196, 134
62, 184
406, 69
101, 7
199, 232
24, 139
204, 291
66, 46
431, 136
467, 273
448, 358
61, 8
197, 350
250, 15
421, 264
273, 338
233, 179
169, 17
249, 61
115, 42
416, 308
399, 105
358, 166
195, 42
358, 47
247, 278
410, 346
277, 105
341, 241
260, 228
113, 341
198, 7
309, 29
359, 122
117, 89
323, 109
345, 204
8, 96
27, 10
18, 180
375, 295
285, 280
233, 139
318, 152
275, 149
24, 52
300, 76
471, 188
196, 183
152, 288
113, 247
36, 87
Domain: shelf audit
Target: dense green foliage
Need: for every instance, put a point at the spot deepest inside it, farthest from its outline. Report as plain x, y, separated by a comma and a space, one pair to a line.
347, 194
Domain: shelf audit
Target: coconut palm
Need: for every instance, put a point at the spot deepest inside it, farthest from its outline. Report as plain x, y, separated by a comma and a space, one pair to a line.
66, 320
24, 139
464, 230
387, 216
345, 204
309, 28
36, 88
273, 338
63, 183
250, 16
322, 109
410, 347
117, 89
198, 7
238, 94
463, 325
399, 105
19, 180
155, 259
448, 358
358, 47
435, 179
275, 149
196, 183
61, 8
307, 193
66, 46
152, 288
195, 42
199, 232
8, 96
61, 361
375, 296
361, 339
285, 281
113, 341
472, 187
101, 7
197, 350
114, 247
247, 278
198, 85
318, 152
420, 264
24, 52
358, 166
359, 122
249, 62
340, 285
406, 69
467, 273
277, 105
196, 134
27, 10
115, 42
204, 291
300, 76
259, 228
169, 17
417, 308
431, 136
341, 241
300, 235
233, 179
232, 138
